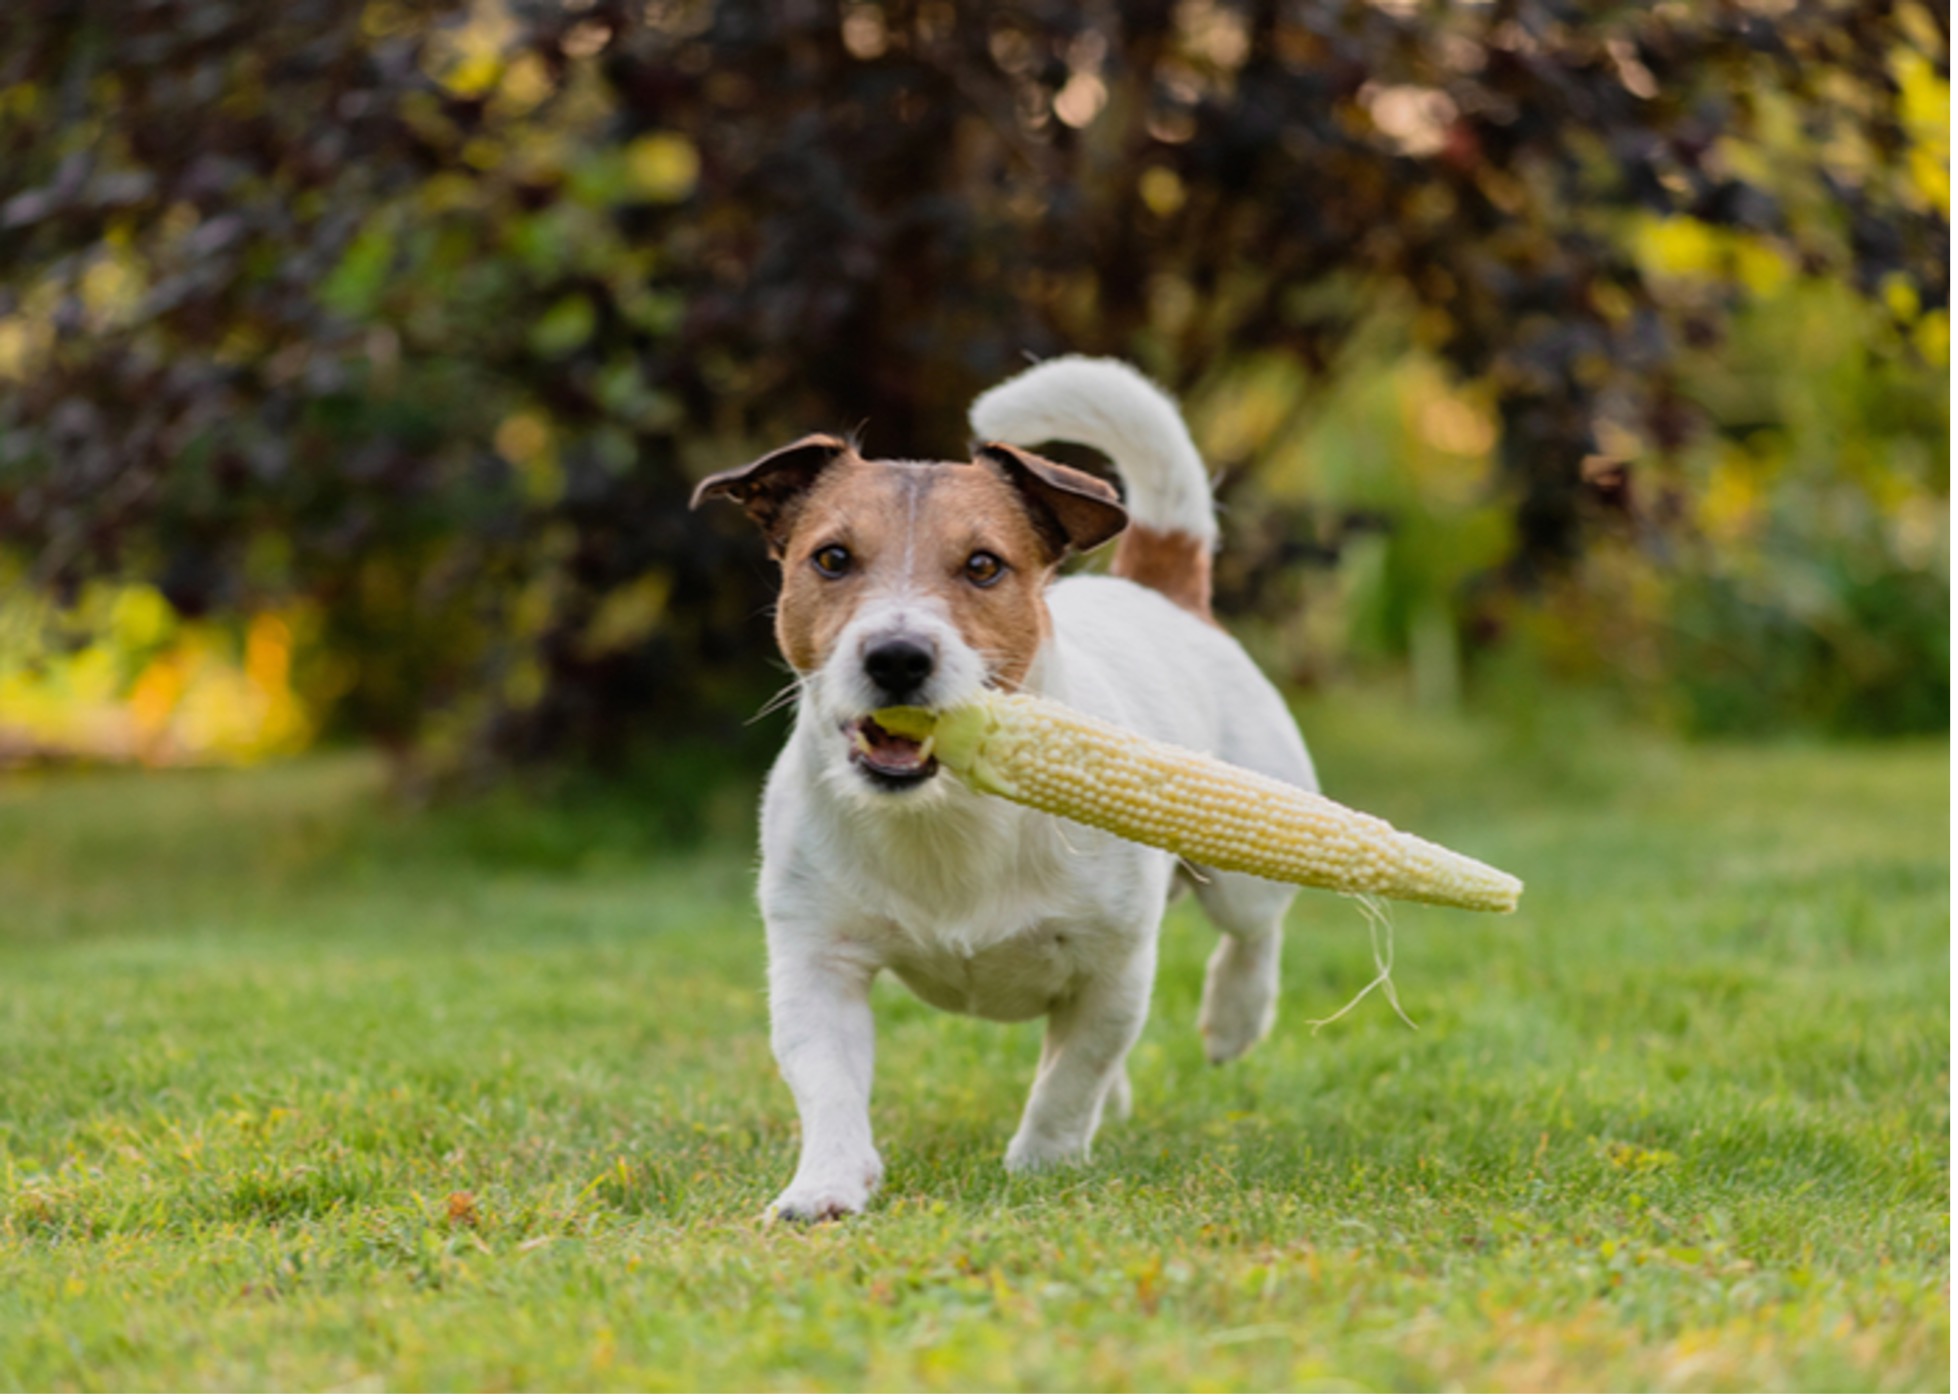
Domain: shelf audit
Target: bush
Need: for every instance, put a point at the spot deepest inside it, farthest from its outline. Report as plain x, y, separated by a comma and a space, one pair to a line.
427, 317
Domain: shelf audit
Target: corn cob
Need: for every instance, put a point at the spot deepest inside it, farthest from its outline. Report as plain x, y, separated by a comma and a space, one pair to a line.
1044, 755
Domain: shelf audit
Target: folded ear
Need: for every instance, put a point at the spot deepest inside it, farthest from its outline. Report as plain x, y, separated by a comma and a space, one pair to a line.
1071, 509
771, 488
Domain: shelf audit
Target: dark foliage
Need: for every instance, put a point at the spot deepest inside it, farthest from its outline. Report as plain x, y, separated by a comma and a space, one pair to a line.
280, 275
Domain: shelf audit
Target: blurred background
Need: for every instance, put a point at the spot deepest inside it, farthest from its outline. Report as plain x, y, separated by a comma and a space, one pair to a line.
357, 359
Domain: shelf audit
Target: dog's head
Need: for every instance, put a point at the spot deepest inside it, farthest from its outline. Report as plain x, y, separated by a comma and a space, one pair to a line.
911, 583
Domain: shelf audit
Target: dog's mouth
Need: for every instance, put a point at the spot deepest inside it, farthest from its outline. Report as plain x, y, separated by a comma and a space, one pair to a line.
889, 760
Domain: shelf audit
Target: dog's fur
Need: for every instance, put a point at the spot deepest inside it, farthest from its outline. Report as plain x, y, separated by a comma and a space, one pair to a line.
873, 860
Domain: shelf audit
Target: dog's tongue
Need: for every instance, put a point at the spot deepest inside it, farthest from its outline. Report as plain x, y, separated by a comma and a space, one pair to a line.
893, 753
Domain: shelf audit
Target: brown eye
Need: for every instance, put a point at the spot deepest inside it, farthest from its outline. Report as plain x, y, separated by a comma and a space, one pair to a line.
984, 569
831, 561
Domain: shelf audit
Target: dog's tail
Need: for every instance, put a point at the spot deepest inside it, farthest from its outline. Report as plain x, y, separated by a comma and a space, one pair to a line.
1109, 406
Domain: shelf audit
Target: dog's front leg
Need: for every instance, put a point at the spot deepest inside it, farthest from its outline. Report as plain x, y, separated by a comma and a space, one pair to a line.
1088, 1037
825, 1043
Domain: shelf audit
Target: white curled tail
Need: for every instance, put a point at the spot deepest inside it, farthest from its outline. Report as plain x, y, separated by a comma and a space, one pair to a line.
1111, 407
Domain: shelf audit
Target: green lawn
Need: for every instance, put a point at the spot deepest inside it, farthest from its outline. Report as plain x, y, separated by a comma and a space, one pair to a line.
298, 1091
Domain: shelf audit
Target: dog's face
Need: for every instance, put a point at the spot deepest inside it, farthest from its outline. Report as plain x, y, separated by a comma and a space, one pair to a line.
911, 583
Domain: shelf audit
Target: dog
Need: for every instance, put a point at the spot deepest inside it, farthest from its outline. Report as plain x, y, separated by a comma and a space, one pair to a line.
922, 583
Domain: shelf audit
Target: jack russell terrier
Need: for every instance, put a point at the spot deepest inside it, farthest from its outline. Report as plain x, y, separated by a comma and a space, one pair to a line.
919, 583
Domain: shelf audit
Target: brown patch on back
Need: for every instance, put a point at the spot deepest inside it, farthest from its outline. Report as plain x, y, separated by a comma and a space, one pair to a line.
911, 527
1175, 564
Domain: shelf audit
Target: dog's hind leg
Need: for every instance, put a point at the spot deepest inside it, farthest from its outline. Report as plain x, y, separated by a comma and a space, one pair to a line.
1240, 992
1119, 1101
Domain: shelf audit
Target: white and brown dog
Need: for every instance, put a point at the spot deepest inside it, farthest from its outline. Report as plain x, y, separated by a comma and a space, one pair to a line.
919, 583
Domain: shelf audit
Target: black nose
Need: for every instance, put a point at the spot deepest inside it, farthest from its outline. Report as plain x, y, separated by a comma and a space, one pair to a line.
898, 667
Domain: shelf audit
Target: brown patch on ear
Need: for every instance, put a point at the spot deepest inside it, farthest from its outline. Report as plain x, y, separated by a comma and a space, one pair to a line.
1070, 509
771, 488
1175, 564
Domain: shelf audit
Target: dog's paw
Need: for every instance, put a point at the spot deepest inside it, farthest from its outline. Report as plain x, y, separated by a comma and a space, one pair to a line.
1029, 1154
1240, 1003
1226, 1038
833, 1196
814, 1207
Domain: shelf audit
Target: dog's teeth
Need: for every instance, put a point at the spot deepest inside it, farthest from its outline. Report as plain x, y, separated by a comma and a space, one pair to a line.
861, 742
924, 749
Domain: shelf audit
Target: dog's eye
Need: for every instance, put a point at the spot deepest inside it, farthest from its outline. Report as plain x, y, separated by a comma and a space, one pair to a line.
984, 569
831, 561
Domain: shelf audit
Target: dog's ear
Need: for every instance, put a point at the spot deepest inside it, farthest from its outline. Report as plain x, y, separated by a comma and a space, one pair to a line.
1070, 509
771, 488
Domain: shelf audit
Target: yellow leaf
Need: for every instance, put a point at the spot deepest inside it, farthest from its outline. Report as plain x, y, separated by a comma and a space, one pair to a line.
627, 616
1679, 247
662, 166
1162, 190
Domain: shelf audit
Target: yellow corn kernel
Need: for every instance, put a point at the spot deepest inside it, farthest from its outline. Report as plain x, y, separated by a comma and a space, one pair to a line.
1044, 755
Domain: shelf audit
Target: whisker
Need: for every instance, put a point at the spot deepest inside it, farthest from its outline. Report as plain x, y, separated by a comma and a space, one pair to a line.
1060, 833
994, 661
787, 695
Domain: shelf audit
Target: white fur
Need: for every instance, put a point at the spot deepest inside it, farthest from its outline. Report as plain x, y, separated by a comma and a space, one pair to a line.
1109, 406
986, 908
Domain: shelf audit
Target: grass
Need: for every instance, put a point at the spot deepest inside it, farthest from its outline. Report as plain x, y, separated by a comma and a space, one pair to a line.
299, 1092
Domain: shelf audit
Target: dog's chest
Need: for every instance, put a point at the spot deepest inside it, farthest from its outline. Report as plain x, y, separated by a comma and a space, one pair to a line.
1014, 979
